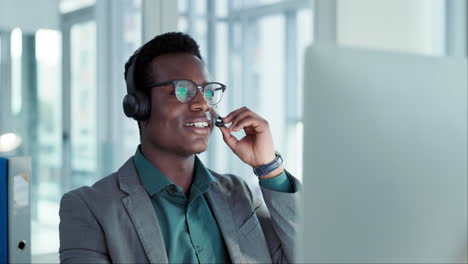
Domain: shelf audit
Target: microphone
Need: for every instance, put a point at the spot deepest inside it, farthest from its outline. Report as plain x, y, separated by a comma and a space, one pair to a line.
214, 116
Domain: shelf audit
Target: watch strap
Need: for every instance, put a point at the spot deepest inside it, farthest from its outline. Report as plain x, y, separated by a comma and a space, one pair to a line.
267, 168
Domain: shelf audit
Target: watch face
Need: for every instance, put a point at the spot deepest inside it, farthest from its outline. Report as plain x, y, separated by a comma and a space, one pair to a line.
279, 156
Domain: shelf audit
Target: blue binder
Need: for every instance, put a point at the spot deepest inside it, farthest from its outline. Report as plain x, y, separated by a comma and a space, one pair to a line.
19, 217
15, 223
3, 211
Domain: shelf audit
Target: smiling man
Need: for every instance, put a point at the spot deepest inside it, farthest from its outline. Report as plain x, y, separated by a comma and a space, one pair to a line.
163, 205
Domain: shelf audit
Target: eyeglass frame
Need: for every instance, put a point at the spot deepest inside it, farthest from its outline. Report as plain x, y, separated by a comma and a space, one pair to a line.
199, 87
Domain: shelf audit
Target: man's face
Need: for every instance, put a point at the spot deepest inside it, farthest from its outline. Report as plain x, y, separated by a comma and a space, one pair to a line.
167, 129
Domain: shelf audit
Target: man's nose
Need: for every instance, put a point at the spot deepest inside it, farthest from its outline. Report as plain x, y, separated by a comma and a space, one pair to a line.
199, 103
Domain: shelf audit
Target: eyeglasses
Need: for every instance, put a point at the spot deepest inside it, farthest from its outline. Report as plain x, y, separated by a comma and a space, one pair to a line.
186, 90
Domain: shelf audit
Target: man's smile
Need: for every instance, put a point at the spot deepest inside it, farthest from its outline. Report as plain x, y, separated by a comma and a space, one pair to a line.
200, 126
199, 130
197, 124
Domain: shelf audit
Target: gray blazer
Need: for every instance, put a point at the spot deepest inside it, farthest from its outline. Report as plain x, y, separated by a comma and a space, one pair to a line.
114, 221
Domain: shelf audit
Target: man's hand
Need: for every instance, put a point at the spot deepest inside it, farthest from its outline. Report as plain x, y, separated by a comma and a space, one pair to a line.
256, 148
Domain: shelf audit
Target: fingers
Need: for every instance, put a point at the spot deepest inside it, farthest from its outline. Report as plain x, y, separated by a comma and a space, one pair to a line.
228, 119
243, 117
230, 140
256, 147
249, 124
239, 118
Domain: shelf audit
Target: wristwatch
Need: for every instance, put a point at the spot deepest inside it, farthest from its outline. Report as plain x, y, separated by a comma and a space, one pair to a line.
267, 168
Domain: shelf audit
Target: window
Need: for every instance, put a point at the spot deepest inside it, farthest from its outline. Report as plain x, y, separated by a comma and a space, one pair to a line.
63, 96
256, 48
46, 184
16, 52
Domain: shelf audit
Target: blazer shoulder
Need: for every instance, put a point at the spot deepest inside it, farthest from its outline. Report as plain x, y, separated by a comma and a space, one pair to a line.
232, 184
107, 187
227, 180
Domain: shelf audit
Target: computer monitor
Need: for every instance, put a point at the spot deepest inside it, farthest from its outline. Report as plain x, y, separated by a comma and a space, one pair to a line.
385, 157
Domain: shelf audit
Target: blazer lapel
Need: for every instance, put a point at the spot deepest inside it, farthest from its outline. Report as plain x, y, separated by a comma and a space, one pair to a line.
227, 224
140, 209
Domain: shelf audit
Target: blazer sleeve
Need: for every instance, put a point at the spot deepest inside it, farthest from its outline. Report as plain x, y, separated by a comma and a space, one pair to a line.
81, 237
279, 218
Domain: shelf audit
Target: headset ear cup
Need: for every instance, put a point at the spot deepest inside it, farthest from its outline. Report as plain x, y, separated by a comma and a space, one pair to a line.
137, 106
130, 105
144, 106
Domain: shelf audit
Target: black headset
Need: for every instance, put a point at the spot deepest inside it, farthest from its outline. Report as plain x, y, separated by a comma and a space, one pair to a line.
136, 104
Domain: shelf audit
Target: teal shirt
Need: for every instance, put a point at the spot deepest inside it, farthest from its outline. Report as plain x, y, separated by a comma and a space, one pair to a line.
280, 183
190, 231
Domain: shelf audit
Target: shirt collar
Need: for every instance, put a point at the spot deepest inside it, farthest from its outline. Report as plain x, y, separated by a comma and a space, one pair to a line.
203, 177
154, 180
151, 177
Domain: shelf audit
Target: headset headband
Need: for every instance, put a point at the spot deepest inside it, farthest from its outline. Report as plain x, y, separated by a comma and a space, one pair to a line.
130, 78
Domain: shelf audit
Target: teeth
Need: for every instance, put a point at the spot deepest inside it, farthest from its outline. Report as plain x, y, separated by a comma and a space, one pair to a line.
198, 124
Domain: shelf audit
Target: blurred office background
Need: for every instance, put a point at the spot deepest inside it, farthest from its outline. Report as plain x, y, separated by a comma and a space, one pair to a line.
62, 63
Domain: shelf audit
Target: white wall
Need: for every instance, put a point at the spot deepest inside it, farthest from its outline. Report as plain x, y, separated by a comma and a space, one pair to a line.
399, 25
159, 16
29, 15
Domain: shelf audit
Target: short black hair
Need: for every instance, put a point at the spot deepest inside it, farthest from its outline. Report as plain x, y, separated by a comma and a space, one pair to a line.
167, 43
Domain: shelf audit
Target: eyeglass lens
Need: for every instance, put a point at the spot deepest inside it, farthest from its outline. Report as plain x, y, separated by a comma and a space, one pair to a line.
185, 91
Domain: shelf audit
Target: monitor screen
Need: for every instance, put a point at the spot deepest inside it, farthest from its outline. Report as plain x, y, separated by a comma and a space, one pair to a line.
385, 157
